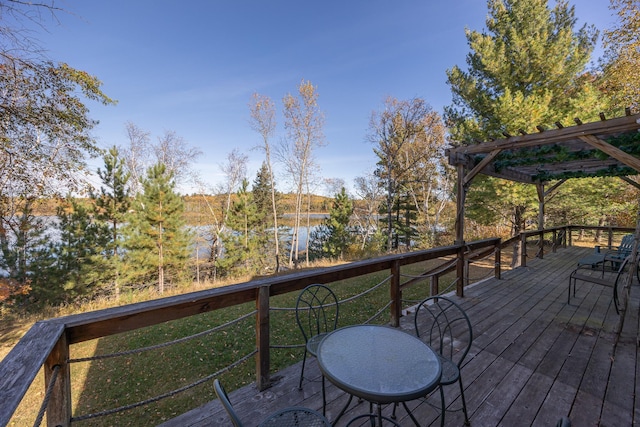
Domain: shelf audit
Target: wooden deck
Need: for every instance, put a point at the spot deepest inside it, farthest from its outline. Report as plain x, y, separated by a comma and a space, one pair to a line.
534, 359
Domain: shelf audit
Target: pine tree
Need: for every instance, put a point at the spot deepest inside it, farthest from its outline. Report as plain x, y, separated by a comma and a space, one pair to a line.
81, 243
157, 240
26, 253
263, 195
526, 70
339, 236
622, 56
109, 208
243, 246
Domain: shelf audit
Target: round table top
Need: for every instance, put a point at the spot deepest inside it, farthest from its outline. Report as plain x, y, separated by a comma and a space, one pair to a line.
378, 363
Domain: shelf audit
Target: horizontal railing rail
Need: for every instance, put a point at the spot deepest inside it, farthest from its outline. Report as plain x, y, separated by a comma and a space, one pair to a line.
46, 344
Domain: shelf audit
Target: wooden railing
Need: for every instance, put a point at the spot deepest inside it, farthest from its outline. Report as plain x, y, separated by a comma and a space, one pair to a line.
46, 344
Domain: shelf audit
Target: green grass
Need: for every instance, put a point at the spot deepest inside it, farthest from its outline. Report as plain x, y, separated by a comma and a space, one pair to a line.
108, 383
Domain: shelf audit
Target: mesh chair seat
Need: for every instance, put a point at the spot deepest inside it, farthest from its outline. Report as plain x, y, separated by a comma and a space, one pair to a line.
450, 371
296, 417
314, 342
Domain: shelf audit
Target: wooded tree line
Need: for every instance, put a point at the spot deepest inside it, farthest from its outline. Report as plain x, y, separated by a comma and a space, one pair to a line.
529, 67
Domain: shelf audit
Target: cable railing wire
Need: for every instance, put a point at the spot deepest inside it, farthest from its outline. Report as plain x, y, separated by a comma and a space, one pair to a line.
164, 344
351, 298
159, 346
361, 294
382, 310
164, 395
47, 395
485, 276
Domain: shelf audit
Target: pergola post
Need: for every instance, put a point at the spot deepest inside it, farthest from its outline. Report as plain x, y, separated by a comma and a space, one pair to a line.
540, 191
461, 195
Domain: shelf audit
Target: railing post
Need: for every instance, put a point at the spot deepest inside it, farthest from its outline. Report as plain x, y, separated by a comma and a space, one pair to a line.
59, 407
497, 261
467, 264
435, 285
460, 272
263, 358
395, 295
523, 250
610, 241
570, 235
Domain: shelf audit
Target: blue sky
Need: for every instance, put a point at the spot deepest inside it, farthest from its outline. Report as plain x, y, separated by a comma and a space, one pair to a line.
192, 66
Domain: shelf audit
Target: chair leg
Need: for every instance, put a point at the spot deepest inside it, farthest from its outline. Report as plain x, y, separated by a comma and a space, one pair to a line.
444, 408
304, 360
464, 403
324, 398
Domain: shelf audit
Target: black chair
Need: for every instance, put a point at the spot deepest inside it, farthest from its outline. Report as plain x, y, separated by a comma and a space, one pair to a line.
317, 314
294, 416
446, 328
609, 280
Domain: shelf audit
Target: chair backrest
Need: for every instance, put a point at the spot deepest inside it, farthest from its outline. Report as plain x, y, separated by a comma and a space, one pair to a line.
445, 326
316, 311
621, 271
626, 245
224, 399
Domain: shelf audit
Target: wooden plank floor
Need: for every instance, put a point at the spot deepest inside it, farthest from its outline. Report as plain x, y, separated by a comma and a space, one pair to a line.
534, 359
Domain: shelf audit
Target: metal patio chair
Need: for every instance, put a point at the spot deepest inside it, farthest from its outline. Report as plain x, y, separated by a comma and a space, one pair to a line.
611, 280
446, 328
316, 314
295, 416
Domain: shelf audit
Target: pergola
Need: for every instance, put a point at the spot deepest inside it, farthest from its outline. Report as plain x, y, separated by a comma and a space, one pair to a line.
609, 147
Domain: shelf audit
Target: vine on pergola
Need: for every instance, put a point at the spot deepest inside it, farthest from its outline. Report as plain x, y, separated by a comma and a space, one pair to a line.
557, 154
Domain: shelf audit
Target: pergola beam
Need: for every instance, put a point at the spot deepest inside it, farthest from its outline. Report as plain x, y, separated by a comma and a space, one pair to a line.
616, 153
609, 127
483, 163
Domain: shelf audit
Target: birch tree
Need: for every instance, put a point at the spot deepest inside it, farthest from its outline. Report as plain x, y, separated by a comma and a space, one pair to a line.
171, 150
178, 157
235, 171
263, 121
371, 196
136, 155
304, 123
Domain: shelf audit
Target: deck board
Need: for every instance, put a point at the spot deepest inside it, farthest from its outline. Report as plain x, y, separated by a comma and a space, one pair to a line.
534, 359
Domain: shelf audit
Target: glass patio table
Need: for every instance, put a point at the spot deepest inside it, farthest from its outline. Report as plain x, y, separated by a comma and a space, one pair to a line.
379, 364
